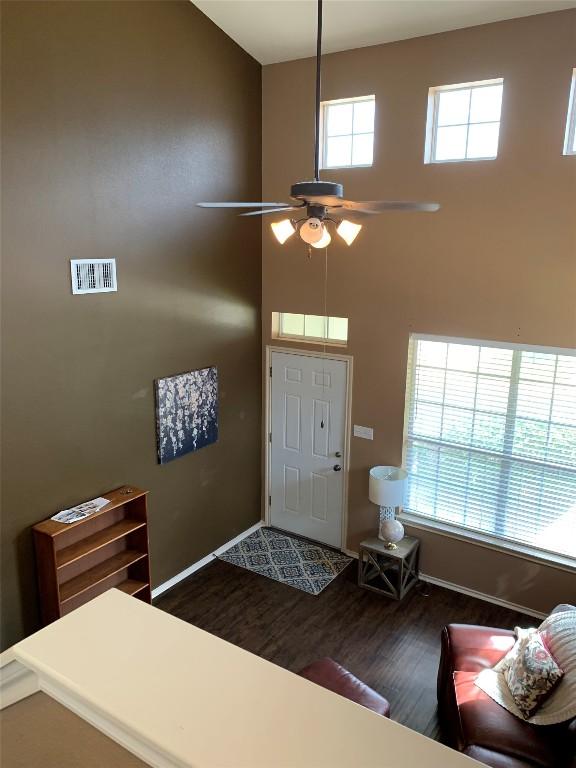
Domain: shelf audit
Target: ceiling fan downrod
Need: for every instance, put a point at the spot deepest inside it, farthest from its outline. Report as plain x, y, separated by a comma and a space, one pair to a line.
318, 87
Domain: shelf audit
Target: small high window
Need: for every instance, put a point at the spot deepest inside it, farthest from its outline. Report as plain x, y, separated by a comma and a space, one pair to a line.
463, 121
314, 328
570, 139
348, 132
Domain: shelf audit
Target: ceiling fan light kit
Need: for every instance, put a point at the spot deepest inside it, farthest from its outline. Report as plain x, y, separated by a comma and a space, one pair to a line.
348, 231
321, 201
283, 230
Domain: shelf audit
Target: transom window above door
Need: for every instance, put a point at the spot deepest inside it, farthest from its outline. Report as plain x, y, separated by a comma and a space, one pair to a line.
348, 132
313, 328
464, 121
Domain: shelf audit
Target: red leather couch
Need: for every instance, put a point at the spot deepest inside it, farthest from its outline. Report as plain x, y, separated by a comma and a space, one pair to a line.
329, 674
476, 725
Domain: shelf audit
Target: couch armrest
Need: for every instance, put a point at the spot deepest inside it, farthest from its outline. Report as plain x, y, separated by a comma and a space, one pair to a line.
468, 648
472, 648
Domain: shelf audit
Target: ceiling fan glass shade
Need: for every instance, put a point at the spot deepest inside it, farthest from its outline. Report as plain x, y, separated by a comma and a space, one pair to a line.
324, 241
348, 231
283, 230
312, 231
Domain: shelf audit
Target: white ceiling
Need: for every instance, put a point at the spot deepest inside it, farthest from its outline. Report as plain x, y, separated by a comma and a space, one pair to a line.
281, 30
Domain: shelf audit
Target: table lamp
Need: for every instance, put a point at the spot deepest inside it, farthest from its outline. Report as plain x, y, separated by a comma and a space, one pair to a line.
387, 489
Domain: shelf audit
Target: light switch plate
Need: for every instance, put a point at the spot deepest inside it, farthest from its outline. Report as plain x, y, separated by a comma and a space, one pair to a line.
366, 432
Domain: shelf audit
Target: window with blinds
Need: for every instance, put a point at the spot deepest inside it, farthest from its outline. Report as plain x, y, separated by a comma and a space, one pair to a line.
490, 440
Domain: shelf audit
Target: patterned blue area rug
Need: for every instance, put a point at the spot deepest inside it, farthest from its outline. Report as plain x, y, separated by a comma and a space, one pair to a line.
296, 562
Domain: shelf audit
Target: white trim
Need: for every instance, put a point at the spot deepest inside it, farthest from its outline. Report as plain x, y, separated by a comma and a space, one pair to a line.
119, 732
17, 682
349, 360
570, 351
481, 595
161, 588
470, 592
515, 549
571, 118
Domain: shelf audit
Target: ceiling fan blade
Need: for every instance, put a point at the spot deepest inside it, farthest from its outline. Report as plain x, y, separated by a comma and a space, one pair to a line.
272, 210
379, 206
241, 205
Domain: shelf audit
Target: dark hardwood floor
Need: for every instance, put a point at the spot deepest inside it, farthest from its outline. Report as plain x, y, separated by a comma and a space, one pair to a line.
393, 647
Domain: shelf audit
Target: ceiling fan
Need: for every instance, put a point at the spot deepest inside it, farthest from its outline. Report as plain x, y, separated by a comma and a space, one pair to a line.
321, 201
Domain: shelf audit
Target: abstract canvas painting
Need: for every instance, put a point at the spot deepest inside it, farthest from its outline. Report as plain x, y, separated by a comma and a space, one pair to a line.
186, 413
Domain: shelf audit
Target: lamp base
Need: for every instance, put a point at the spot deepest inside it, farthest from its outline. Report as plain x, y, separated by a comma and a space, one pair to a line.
390, 530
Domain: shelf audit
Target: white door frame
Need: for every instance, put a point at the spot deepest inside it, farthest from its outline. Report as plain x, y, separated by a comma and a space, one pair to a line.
349, 360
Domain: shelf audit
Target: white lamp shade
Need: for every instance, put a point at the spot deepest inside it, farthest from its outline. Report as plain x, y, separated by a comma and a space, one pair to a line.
283, 230
324, 241
387, 486
348, 231
312, 231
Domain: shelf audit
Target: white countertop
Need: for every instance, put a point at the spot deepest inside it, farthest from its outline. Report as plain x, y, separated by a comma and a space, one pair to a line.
191, 699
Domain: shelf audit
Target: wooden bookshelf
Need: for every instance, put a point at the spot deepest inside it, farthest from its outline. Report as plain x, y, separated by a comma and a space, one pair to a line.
78, 561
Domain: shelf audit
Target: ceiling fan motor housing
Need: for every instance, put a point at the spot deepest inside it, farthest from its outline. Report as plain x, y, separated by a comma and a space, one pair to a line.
305, 190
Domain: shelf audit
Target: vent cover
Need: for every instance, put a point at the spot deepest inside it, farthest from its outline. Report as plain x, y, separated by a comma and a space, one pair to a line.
93, 275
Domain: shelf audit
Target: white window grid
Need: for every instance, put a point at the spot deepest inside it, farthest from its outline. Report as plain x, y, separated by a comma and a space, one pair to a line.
505, 460
324, 134
570, 138
326, 337
432, 127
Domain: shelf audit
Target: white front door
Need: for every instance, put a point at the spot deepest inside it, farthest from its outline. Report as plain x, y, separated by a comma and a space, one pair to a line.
308, 420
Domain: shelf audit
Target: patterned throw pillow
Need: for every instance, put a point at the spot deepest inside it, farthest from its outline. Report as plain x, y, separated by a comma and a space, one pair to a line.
532, 674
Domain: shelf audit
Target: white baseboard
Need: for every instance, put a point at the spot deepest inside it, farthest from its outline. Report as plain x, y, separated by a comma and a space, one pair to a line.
471, 592
204, 561
481, 596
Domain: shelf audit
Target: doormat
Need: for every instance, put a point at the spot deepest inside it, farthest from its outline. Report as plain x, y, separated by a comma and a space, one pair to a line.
296, 562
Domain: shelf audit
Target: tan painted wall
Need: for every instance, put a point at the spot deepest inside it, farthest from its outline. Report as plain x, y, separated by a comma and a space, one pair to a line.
497, 262
117, 118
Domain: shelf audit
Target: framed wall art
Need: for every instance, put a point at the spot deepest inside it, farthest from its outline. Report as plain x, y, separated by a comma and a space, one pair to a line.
186, 413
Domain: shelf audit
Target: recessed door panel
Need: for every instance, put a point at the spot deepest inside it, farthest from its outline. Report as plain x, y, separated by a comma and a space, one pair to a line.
319, 497
321, 379
293, 374
292, 422
291, 489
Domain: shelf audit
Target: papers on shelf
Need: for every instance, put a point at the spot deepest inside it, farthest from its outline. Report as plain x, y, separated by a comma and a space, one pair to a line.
80, 511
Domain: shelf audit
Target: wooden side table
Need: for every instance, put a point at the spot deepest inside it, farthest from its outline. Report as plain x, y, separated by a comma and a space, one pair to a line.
390, 572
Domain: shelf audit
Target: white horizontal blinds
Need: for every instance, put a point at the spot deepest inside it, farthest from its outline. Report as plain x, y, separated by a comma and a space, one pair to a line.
491, 440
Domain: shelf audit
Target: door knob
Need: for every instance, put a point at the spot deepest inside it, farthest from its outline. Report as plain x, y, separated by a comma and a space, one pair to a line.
337, 467
338, 454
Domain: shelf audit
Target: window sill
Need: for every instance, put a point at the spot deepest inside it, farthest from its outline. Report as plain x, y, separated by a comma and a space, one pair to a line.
461, 160
311, 340
345, 167
523, 551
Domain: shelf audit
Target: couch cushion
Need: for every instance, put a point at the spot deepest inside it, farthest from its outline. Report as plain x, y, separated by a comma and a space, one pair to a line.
329, 674
484, 723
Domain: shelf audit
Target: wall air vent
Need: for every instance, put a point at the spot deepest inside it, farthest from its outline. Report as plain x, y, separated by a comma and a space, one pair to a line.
93, 275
